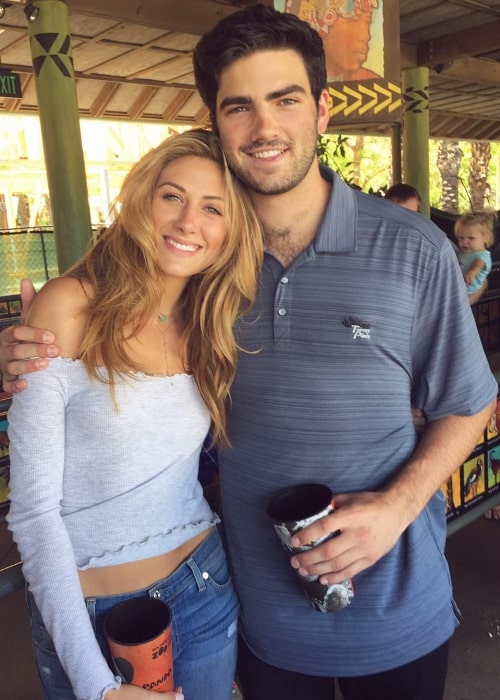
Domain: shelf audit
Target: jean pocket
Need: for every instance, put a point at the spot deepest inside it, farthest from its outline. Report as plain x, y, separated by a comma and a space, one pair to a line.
213, 571
41, 637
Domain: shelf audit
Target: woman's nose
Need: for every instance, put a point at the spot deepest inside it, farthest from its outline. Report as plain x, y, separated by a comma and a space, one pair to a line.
186, 221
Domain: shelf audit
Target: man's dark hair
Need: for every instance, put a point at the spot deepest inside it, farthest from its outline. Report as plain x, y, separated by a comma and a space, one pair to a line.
401, 193
256, 28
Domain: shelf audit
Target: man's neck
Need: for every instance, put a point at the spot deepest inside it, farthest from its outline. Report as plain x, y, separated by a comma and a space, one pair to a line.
292, 219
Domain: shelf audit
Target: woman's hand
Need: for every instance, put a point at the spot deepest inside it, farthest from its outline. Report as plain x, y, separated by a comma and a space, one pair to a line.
130, 692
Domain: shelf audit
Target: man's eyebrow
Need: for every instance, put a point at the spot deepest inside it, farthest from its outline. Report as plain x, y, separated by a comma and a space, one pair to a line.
234, 100
275, 95
283, 92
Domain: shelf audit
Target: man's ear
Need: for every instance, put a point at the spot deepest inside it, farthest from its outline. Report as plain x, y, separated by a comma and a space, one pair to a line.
323, 111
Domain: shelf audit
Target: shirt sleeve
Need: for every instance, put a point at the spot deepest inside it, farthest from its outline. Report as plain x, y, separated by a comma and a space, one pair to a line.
450, 370
36, 431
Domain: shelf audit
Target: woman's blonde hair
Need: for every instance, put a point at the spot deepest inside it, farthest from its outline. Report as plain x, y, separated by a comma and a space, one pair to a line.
123, 271
483, 220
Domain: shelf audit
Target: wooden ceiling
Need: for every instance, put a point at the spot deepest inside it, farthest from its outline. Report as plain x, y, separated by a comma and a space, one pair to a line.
133, 59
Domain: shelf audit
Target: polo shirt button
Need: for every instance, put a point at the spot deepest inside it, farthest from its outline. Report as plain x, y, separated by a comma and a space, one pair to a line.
205, 575
281, 312
284, 280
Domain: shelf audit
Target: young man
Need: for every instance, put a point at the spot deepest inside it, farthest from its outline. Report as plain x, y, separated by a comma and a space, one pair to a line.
326, 395
404, 195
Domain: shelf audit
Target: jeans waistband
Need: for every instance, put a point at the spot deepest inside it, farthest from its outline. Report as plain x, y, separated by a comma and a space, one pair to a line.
200, 559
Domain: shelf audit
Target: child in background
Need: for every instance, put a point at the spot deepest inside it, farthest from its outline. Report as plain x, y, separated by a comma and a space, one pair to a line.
475, 233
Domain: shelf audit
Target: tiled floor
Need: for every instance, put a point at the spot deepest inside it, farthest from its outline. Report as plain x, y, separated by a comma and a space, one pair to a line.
474, 556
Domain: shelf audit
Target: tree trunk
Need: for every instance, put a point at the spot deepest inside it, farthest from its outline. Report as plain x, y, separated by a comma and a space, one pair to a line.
478, 175
357, 152
449, 159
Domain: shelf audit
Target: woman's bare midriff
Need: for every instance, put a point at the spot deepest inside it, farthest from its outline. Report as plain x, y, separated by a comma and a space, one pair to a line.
136, 575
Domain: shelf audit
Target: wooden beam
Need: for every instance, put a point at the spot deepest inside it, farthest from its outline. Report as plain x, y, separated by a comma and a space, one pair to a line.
176, 105
408, 56
465, 43
102, 100
193, 17
474, 70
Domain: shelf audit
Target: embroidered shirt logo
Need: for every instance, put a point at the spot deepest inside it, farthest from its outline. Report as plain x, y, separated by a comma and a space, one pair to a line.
359, 329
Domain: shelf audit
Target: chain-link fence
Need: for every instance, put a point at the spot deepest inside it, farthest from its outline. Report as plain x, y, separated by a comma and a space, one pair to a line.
26, 252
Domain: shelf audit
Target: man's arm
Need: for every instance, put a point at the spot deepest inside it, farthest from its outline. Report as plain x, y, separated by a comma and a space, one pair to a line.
370, 523
24, 349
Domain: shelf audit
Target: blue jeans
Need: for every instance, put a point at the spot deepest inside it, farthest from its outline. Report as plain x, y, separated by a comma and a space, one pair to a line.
204, 611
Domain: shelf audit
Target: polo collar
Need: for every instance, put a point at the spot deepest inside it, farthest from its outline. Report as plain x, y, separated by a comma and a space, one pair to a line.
337, 233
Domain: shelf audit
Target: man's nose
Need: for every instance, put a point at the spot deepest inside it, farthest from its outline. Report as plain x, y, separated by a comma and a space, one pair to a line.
264, 124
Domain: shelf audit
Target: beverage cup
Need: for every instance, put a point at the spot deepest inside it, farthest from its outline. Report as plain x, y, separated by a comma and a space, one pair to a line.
139, 636
291, 510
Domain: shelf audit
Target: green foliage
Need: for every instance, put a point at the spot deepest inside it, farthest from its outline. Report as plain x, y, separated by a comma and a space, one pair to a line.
331, 151
366, 162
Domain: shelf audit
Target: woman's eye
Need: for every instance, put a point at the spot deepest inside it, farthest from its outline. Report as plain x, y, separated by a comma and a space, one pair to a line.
171, 197
213, 210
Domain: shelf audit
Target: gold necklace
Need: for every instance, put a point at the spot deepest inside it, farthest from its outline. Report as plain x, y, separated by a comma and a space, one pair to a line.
162, 318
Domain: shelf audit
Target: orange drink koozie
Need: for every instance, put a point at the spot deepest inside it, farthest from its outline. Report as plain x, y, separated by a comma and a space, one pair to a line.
139, 635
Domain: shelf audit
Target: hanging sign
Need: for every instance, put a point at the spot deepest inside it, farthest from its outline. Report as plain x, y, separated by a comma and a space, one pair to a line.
10, 84
361, 41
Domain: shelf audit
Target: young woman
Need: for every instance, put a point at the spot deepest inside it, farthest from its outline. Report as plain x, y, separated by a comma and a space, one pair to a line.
105, 501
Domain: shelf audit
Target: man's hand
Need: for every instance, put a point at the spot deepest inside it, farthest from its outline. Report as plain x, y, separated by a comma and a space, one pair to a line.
24, 349
369, 528
419, 419
371, 523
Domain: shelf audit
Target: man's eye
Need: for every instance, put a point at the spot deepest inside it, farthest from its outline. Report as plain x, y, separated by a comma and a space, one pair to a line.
237, 109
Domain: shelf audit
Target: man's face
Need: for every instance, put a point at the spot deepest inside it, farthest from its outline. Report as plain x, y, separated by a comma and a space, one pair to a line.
268, 120
346, 43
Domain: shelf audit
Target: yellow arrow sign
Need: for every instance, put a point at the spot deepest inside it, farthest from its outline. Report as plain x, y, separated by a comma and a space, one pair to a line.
351, 99
336, 108
369, 93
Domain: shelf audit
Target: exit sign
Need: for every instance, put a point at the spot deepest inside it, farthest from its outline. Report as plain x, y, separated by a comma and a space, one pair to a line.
10, 84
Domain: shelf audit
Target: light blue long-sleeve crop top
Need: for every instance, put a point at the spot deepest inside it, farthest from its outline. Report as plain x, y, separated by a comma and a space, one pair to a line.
94, 485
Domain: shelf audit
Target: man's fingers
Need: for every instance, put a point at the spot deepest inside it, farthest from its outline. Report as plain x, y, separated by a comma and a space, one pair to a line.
26, 351
26, 334
17, 367
14, 386
27, 295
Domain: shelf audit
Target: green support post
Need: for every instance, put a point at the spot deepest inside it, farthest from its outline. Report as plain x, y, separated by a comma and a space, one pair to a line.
59, 120
416, 132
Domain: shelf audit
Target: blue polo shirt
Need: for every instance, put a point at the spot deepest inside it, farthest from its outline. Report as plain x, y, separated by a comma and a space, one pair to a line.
371, 317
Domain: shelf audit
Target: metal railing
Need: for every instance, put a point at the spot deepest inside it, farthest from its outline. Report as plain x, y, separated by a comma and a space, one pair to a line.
26, 252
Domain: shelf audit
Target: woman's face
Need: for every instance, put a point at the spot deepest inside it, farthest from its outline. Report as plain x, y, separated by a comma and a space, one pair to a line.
188, 215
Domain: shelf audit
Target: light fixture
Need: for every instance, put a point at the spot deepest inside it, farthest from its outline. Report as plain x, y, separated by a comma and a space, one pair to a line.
31, 11
3, 7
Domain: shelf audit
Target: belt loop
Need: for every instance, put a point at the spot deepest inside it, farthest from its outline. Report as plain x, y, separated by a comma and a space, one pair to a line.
198, 576
91, 604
